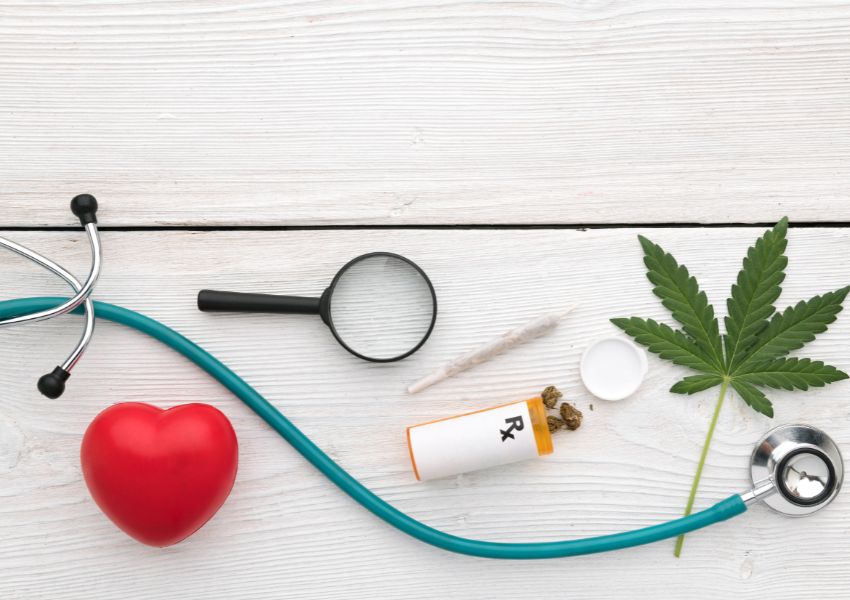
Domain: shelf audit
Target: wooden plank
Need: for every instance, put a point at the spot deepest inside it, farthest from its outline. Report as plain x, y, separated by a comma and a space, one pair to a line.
339, 112
285, 531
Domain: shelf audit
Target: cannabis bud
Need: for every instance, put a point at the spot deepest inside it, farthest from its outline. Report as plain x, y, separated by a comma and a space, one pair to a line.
570, 416
550, 396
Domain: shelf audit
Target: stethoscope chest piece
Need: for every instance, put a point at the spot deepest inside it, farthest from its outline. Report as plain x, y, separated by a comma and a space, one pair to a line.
804, 465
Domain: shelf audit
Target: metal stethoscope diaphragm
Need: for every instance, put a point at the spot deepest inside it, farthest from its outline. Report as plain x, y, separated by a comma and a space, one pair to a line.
796, 470
84, 207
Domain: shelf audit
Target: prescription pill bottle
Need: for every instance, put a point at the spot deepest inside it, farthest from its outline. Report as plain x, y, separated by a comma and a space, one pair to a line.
485, 438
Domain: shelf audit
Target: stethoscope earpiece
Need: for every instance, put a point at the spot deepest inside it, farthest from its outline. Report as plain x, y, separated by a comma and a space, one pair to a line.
84, 207
52, 385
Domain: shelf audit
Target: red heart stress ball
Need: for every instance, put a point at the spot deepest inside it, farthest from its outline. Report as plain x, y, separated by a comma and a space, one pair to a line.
159, 475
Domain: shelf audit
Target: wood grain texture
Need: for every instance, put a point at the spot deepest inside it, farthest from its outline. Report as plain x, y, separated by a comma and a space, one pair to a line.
286, 532
379, 112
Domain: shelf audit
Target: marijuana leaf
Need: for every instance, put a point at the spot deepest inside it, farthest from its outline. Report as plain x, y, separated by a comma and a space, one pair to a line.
755, 398
681, 295
755, 292
752, 353
791, 374
796, 326
696, 383
668, 343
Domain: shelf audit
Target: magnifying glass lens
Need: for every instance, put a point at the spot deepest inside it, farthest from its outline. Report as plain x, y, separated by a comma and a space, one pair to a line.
382, 307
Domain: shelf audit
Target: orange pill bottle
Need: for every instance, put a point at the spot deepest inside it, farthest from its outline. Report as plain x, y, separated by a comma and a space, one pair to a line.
477, 440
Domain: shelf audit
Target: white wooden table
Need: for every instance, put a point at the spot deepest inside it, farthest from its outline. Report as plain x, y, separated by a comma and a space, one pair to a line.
259, 145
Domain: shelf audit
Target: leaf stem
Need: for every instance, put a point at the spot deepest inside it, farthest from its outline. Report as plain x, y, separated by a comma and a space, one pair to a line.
695, 485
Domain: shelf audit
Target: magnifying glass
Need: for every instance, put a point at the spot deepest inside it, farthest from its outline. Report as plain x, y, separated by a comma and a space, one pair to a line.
380, 306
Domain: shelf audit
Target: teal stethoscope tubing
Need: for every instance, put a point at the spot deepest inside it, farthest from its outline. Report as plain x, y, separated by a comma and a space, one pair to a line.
721, 511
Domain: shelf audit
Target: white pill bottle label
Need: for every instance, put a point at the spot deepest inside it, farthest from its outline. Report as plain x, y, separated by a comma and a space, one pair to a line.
486, 438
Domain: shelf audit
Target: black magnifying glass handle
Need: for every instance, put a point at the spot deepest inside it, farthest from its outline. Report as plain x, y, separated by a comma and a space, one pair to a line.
212, 300
384, 306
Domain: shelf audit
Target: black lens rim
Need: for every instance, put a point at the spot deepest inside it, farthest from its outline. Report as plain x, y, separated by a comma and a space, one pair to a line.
780, 480
327, 298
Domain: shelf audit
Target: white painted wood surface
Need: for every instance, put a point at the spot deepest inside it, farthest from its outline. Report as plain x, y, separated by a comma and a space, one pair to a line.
286, 532
383, 112
334, 112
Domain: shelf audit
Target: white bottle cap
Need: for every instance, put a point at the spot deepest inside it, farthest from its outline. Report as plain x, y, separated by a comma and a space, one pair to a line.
613, 368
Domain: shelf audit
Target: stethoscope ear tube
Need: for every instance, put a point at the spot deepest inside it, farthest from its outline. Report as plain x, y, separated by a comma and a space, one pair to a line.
726, 509
84, 207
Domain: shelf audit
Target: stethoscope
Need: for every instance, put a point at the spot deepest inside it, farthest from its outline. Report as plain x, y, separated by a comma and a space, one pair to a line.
796, 469
84, 207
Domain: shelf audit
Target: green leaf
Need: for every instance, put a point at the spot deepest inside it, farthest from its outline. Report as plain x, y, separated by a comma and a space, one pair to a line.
696, 383
793, 328
668, 343
680, 294
757, 288
753, 397
791, 374
752, 352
